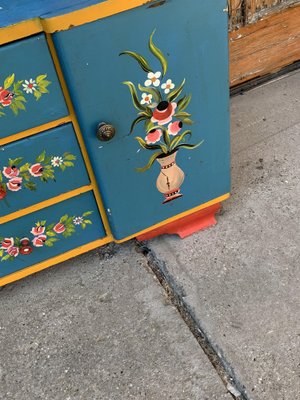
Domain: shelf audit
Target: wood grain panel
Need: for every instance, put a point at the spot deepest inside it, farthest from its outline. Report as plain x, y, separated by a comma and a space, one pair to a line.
265, 46
256, 9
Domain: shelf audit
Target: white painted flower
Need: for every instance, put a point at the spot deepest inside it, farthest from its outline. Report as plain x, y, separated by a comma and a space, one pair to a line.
153, 79
29, 86
77, 220
146, 98
56, 161
169, 85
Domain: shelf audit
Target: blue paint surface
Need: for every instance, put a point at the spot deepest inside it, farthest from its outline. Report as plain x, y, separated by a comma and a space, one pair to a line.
193, 35
56, 142
27, 59
21, 228
14, 11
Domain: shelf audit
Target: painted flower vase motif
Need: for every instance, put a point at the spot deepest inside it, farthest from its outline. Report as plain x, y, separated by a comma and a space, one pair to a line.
161, 108
170, 178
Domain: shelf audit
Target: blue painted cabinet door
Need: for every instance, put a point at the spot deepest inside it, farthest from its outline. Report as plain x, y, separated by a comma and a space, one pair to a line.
181, 76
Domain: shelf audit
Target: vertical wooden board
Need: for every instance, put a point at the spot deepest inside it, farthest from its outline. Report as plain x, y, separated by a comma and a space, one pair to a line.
235, 11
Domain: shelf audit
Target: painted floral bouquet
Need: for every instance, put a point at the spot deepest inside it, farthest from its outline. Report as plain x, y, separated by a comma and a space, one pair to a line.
161, 108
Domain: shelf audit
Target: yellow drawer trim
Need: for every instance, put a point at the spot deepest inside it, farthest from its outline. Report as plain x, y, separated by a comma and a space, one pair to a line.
67, 21
53, 261
20, 30
35, 130
45, 203
178, 216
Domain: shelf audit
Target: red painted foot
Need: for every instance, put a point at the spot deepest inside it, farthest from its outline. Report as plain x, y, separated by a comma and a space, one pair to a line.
186, 226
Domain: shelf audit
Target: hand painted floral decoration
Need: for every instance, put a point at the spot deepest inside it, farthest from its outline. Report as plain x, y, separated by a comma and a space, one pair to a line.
42, 235
12, 93
17, 175
162, 109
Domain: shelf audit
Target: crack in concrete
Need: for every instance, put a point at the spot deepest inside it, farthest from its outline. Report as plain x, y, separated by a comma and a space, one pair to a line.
174, 293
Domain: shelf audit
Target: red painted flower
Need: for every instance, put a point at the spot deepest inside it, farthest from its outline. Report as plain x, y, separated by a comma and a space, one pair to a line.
6, 97
37, 230
2, 192
24, 241
59, 228
36, 170
39, 241
13, 251
26, 250
153, 136
174, 127
14, 184
7, 243
10, 172
163, 112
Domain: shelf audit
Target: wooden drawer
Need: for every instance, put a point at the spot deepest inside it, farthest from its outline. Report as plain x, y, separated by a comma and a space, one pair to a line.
40, 167
30, 93
49, 232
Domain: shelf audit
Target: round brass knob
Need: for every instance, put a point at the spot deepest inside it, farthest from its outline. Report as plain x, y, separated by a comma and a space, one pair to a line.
105, 131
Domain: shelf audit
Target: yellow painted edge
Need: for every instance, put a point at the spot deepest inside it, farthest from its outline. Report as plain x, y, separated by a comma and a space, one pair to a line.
52, 261
178, 216
66, 21
79, 135
35, 130
89, 14
20, 30
45, 203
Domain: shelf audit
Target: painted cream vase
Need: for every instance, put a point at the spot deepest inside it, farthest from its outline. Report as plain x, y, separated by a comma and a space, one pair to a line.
170, 178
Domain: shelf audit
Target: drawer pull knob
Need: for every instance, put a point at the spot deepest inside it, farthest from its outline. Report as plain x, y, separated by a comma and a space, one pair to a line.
105, 131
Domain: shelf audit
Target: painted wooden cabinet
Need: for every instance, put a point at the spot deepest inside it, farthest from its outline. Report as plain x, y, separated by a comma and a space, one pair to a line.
116, 125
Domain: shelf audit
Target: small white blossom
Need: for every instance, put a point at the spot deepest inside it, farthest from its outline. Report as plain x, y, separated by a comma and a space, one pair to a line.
153, 79
56, 161
169, 85
29, 86
146, 98
77, 220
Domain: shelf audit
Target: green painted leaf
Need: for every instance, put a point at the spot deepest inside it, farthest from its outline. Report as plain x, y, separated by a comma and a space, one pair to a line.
134, 96
6, 257
136, 121
189, 146
187, 121
68, 163
177, 139
64, 218
41, 157
16, 86
20, 98
30, 185
9, 81
166, 137
176, 92
151, 161
149, 125
155, 93
69, 156
158, 54
19, 104
182, 115
15, 161
37, 94
183, 103
85, 214
14, 108
43, 89
1, 177
40, 78
87, 221
140, 59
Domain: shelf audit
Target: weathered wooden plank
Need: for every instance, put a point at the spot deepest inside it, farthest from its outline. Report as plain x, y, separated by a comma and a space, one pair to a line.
235, 11
265, 46
256, 9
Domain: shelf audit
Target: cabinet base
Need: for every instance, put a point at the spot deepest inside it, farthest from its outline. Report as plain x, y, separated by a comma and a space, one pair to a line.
186, 226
